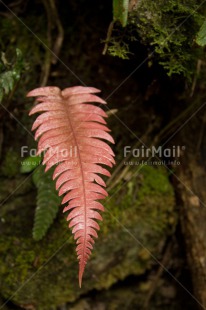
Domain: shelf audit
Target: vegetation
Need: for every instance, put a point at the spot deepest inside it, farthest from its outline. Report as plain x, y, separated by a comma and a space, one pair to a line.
166, 41
46, 209
10, 72
168, 30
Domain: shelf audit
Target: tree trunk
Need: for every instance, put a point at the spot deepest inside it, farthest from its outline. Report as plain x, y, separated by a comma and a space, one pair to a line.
191, 177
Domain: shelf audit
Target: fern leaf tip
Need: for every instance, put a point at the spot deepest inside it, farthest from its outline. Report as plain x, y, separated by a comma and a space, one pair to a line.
81, 272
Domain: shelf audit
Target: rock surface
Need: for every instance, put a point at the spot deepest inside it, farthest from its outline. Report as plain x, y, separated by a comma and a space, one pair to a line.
35, 275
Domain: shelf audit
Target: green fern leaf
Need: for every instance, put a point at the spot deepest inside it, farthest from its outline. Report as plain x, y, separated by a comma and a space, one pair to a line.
201, 36
120, 11
10, 73
7, 81
30, 163
46, 209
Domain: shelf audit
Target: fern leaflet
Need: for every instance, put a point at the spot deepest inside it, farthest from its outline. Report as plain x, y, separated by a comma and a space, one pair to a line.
46, 210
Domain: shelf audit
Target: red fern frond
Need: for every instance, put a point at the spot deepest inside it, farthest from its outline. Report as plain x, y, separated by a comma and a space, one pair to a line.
70, 131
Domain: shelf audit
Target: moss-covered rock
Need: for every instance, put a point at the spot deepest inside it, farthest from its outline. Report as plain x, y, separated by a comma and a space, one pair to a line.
133, 294
168, 30
139, 216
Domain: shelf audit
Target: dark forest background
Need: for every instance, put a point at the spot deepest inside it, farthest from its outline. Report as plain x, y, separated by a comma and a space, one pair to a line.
151, 250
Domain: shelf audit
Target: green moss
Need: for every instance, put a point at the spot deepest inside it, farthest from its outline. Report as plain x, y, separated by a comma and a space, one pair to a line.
119, 49
168, 29
144, 208
141, 207
11, 163
21, 258
148, 198
155, 180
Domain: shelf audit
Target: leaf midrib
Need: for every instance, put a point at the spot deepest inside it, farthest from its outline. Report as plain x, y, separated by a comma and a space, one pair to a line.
83, 179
